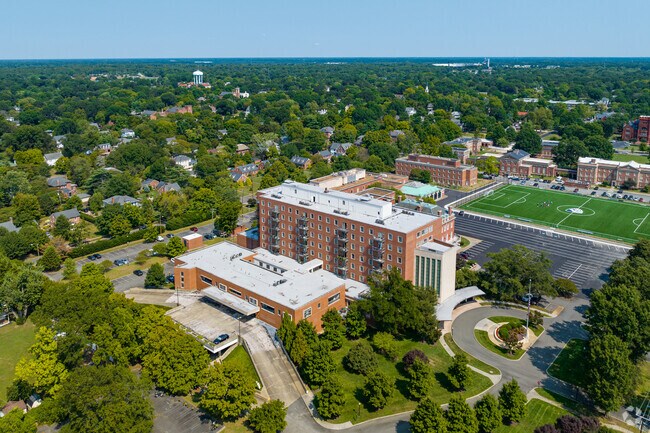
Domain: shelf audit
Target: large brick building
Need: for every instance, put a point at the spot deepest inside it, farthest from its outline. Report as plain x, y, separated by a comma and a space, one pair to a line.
256, 282
637, 130
444, 171
354, 235
520, 163
596, 170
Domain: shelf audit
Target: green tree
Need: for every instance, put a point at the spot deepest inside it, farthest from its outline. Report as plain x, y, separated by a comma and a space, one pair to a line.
379, 387
565, 287
27, 209
319, 364
300, 348
488, 413
421, 379
489, 165
95, 202
610, 373
62, 227
384, 343
512, 402
228, 216
269, 417
155, 276
460, 416
17, 422
119, 226
287, 331
566, 153
21, 290
333, 328
528, 140
175, 247
355, 322
228, 393
459, 372
50, 260
428, 418
43, 370
360, 358
330, 402
97, 399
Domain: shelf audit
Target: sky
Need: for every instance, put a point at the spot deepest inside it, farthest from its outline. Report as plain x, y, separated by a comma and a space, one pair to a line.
79, 29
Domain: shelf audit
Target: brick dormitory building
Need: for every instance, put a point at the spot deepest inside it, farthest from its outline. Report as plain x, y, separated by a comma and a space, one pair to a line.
444, 171
318, 249
596, 170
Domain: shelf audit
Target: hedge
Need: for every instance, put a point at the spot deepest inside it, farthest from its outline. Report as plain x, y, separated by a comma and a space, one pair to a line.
86, 217
186, 219
105, 244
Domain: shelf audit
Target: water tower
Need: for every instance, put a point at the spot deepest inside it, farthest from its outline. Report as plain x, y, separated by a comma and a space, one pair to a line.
198, 77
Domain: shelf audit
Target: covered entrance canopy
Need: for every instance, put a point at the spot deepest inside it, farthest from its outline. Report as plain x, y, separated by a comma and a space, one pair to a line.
230, 301
444, 310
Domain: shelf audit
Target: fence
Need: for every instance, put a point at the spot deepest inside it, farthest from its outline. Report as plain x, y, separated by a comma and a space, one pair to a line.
463, 200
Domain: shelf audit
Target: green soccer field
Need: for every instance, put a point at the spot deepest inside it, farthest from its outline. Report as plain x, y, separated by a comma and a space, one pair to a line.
613, 219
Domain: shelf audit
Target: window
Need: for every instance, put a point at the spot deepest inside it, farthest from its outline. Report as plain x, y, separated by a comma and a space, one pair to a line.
333, 299
390, 236
235, 292
222, 287
252, 300
267, 308
399, 239
361, 229
307, 313
206, 280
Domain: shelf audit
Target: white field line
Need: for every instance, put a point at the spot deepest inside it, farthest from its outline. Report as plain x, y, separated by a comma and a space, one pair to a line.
579, 207
640, 224
524, 196
573, 273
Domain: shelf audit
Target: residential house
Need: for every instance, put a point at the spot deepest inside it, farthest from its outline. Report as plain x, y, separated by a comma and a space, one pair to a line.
241, 149
301, 161
222, 132
410, 111
72, 216
248, 169
455, 117
238, 177
58, 181
9, 225
121, 200
59, 140
395, 134
475, 145
326, 155
149, 184
170, 141
104, 148
187, 109
163, 187
13, 405
84, 198
127, 133
52, 158
328, 131
340, 148
184, 161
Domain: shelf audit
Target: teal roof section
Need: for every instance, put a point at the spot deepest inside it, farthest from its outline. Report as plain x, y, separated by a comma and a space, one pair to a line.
419, 189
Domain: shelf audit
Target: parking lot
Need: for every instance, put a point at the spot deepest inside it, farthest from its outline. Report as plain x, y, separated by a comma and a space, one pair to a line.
207, 319
172, 415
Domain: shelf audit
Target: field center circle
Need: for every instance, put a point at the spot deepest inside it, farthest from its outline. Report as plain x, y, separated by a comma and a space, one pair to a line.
577, 211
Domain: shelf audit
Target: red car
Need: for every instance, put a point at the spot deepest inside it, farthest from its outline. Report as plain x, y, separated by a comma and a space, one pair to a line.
194, 229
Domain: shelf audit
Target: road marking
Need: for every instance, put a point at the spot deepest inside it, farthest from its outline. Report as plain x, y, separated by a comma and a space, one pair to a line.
573, 273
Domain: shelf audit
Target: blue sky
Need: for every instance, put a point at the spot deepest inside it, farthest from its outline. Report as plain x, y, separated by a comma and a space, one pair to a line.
33, 29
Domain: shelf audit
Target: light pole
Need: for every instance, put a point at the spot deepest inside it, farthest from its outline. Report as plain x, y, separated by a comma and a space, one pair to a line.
529, 295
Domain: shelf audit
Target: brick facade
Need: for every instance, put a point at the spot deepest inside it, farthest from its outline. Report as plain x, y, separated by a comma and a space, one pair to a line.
637, 130
444, 171
594, 170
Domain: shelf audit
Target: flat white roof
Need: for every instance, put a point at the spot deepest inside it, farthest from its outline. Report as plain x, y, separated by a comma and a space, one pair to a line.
435, 246
277, 278
445, 310
230, 300
360, 208
192, 236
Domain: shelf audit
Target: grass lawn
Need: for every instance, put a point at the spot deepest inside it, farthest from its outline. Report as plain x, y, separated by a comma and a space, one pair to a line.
625, 158
483, 338
643, 387
240, 357
398, 402
236, 426
472, 361
463, 242
517, 322
625, 221
14, 342
538, 413
121, 271
567, 403
569, 364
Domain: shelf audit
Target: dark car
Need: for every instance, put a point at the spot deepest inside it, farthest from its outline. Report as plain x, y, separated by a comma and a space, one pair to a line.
208, 236
221, 338
121, 262
138, 272
562, 188
170, 235
170, 278
620, 191
461, 213
596, 188
576, 190
536, 184
594, 192
194, 229
94, 257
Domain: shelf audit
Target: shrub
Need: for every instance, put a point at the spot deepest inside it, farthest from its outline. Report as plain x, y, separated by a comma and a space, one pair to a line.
412, 355
105, 244
384, 343
360, 359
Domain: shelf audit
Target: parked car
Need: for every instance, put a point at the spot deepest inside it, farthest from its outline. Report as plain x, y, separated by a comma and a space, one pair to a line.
594, 192
170, 235
138, 272
536, 184
641, 199
596, 188
160, 238
534, 299
194, 229
221, 338
170, 278
461, 213
121, 262
208, 236
94, 257
576, 190
562, 188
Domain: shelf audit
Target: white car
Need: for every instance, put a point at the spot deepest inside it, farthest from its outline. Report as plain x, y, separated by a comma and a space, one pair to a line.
160, 238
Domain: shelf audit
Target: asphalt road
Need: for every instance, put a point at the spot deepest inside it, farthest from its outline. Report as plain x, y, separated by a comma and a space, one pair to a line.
583, 261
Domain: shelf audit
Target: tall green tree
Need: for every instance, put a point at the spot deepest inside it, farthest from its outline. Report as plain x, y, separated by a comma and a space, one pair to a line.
488, 413
300, 348
428, 418
355, 322
50, 260
43, 370
512, 402
27, 209
459, 372
379, 387
228, 393
319, 364
269, 417
330, 402
460, 416
98, 399
155, 276
21, 290
421, 379
528, 140
568, 151
228, 216
333, 328
175, 247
